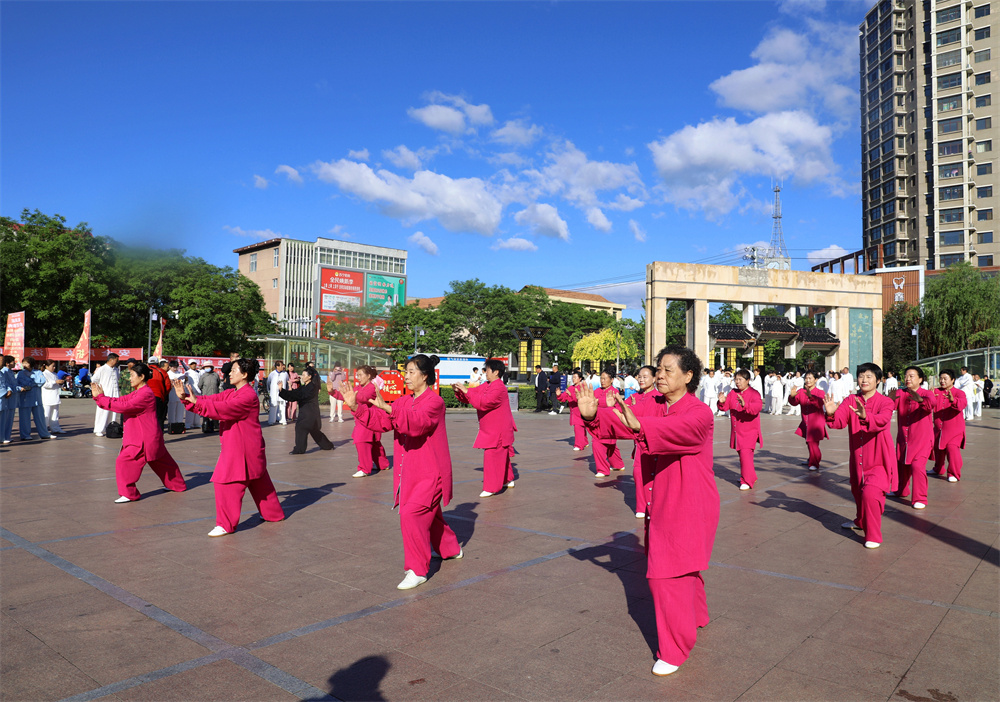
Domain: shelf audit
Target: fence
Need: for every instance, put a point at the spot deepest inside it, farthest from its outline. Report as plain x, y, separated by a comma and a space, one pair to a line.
982, 362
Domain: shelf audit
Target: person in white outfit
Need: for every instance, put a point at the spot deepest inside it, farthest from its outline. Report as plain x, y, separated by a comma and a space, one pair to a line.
175, 408
795, 384
966, 384
776, 393
709, 388
51, 399
193, 375
977, 401
890, 386
277, 381
848, 380
757, 382
107, 376
725, 387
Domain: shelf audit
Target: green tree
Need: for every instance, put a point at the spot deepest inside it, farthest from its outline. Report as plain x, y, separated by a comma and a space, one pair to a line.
899, 345
604, 345
404, 319
961, 309
676, 322
728, 314
567, 324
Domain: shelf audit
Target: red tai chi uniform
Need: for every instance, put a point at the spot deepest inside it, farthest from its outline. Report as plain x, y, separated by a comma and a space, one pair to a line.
607, 457
643, 404
142, 443
496, 431
745, 433
914, 441
422, 475
682, 514
371, 452
242, 463
568, 398
812, 428
873, 460
949, 432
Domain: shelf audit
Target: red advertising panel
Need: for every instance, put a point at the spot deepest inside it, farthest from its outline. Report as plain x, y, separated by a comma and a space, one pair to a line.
13, 340
353, 329
340, 289
97, 354
392, 385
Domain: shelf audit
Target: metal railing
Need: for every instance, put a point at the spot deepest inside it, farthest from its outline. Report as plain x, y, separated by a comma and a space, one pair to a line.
984, 362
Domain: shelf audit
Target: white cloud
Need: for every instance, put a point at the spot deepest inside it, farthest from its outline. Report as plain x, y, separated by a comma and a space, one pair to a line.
459, 204
341, 231
543, 219
517, 133
403, 157
701, 166
293, 175
260, 182
821, 255
514, 244
451, 113
424, 242
625, 203
508, 158
360, 155
741, 248
572, 175
262, 234
598, 220
637, 231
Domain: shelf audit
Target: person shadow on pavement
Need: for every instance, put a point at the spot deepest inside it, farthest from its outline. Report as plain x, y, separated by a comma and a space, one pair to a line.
462, 520
300, 498
361, 680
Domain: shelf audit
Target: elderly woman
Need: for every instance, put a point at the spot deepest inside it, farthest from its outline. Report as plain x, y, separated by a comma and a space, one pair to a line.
744, 405
949, 427
607, 457
309, 422
423, 466
371, 453
568, 398
914, 434
810, 399
683, 509
242, 463
142, 440
643, 403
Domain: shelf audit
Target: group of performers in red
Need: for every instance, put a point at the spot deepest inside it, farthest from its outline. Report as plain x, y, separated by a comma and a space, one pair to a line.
672, 431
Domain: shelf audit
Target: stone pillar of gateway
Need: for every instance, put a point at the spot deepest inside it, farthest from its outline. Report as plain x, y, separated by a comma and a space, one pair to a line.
852, 305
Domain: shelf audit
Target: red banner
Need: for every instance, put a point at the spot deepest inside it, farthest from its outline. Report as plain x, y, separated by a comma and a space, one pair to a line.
340, 289
98, 354
13, 340
81, 352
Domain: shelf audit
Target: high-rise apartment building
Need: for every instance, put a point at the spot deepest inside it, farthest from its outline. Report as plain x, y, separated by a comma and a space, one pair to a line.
929, 133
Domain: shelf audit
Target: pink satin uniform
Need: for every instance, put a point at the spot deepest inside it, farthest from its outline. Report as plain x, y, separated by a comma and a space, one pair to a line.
643, 404
914, 441
371, 452
745, 429
496, 431
949, 432
812, 428
575, 420
607, 457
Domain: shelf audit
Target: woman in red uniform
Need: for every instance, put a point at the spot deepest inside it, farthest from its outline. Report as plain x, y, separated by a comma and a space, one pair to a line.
643, 403
914, 434
371, 453
949, 427
242, 463
423, 466
812, 428
496, 427
607, 457
867, 415
142, 441
744, 405
683, 510
568, 398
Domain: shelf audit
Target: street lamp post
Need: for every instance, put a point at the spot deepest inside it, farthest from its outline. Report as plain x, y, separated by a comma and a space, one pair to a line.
916, 333
417, 333
149, 336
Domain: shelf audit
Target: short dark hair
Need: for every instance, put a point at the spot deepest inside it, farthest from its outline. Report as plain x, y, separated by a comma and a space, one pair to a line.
865, 367
8, 359
142, 369
277, 363
919, 371
965, 368
311, 372
248, 366
112, 355
425, 364
651, 369
949, 372
496, 365
29, 362
688, 360
537, 367
743, 373
810, 372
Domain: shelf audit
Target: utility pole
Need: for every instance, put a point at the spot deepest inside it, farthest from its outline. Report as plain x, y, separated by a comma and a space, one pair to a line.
417, 333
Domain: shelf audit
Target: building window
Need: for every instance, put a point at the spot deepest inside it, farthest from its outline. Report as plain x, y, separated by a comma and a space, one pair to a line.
949, 14
949, 148
950, 216
983, 147
985, 191
949, 37
951, 170
981, 56
952, 238
982, 78
984, 123
953, 192
889, 229
983, 33
274, 282
984, 101
889, 249
985, 237
253, 263
947, 126
889, 188
888, 168
985, 261
875, 234
888, 208
984, 215
951, 259
952, 80
276, 256
984, 168
982, 10
950, 103
949, 58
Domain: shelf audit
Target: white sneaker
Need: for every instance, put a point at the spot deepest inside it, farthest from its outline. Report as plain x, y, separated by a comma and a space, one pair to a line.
485, 494
122, 500
598, 476
575, 448
919, 505
849, 525
952, 479
814, 468
640, 515
511, 484
340, 419
411, 581
662, 668
552, 412
360, 474
872, 544
460, 554
218, 531
560, 410
96, 434
744, 486
618, 469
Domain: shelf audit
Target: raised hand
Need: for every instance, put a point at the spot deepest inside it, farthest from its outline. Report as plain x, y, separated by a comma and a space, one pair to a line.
722, 396
829, 406
350, 395
96, 390
179, 388
379, 401
859, 409
586, 402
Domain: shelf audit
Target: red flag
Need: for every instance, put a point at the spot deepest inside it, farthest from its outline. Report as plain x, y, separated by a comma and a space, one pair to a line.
81, 352
13, 339
158, 351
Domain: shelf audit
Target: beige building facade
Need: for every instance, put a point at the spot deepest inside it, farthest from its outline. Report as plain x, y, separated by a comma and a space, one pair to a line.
854, 304
929, 133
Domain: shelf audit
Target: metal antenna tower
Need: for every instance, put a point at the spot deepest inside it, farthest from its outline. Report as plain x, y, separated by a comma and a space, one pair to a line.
777, 253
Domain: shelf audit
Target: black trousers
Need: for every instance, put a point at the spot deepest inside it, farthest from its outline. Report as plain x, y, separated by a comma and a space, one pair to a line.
540, 396
161, 411
310, 428
554, 399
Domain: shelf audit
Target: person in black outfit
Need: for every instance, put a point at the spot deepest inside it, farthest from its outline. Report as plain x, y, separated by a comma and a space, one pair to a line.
308, 421
541, 388
555, 380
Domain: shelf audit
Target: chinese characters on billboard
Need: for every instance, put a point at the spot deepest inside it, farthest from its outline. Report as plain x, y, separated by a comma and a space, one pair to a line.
340, 289
383, 292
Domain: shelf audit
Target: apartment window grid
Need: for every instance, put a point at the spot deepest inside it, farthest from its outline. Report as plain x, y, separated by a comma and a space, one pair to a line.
298, 280
376, 263
985, 261
253, 263
276, 257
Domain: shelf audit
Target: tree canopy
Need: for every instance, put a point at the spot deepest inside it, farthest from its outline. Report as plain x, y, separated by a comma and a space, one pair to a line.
605, 345
961, 310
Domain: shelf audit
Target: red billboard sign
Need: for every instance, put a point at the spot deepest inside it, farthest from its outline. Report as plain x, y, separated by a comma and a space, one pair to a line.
13, 340
340, 289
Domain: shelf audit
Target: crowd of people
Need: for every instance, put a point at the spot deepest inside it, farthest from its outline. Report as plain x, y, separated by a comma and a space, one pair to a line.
667, 410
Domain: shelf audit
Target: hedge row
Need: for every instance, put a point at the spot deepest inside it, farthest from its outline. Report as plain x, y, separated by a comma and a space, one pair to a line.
525, 398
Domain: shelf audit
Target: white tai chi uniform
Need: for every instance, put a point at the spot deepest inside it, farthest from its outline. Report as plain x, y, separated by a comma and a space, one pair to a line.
51, 401
107, 377
977, 404
966, 384
175, 408
276, 381
192, 420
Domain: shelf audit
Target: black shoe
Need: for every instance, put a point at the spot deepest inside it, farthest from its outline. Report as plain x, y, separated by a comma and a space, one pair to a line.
295, 453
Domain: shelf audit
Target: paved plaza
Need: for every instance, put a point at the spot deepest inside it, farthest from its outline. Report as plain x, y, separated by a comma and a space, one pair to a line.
134, 602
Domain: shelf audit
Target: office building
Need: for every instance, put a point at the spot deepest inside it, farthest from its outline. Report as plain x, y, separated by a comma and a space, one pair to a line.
929, 133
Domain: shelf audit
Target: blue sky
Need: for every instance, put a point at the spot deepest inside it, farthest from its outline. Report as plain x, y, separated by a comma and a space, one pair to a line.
557, 144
